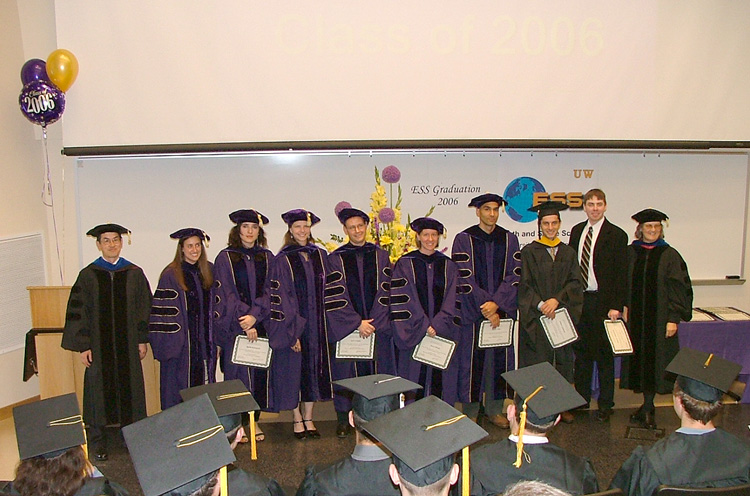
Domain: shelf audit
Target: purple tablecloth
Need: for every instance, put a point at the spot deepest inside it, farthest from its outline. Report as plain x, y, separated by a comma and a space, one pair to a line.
730, 340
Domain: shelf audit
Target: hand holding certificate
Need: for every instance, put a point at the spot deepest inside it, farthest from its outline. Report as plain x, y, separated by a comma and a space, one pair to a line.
355, 347
502, 335
252, 353
434, 351
618, 337
560, 330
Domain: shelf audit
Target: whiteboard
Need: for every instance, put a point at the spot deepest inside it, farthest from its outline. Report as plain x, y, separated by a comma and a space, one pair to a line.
704, 194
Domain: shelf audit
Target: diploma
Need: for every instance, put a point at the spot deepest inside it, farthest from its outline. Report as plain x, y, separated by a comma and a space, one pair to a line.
252, 353
560, 330
354, 347
618, 337
434, 351
493, 338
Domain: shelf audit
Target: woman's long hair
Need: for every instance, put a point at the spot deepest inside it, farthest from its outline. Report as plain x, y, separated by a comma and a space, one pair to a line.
62, 475
235, 241
207, 277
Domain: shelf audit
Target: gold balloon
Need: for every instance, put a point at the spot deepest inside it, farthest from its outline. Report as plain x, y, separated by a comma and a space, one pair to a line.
62, 68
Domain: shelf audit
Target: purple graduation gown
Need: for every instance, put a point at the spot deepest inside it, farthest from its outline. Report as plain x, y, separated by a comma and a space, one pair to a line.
357, 288
181, 335
423, 294
297, 283
241, 290
489, 269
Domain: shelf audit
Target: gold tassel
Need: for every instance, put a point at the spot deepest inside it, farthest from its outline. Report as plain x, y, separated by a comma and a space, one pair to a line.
223, 481
465, 481
128, 234
253, 442
522, 428
708, 361
309, 220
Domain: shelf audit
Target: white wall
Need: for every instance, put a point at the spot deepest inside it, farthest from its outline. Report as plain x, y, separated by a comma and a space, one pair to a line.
27, 30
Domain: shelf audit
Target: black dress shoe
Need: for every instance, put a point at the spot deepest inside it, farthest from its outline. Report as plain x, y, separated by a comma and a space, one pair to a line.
343, 430
300, 435
603, 415
100, 455
311, 433
638, 416
650, 420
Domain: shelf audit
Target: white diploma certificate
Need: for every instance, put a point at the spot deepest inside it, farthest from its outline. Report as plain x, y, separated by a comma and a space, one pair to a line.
354, 347
252, 353
560, 330
493, 338
618, 336
434, 351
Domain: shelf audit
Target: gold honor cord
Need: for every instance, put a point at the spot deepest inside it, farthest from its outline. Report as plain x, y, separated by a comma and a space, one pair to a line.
522, 427
223, 481
708, 361
199, 437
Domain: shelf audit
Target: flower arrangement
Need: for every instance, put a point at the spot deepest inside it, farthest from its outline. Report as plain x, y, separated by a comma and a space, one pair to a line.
386, 229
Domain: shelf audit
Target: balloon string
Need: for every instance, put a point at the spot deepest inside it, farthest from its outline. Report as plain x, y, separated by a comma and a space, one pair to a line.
47, 193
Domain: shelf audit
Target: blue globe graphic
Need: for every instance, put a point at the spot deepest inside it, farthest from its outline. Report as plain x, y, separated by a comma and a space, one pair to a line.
520, 197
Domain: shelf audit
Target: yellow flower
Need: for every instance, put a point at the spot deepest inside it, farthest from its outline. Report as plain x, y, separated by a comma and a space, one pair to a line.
385, 240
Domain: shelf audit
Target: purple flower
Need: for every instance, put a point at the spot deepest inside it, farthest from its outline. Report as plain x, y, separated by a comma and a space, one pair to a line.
341, 206
387, 215
391, 174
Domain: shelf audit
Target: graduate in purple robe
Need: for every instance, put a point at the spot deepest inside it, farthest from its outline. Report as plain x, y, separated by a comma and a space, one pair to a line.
423, 302
301, 368
180, 325
241, 271
356, 299
489, 266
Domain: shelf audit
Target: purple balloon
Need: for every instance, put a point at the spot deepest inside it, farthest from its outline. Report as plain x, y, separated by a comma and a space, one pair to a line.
42, 102
34, 70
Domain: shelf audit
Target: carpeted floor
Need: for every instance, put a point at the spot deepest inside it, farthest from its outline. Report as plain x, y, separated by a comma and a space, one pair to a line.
284, 458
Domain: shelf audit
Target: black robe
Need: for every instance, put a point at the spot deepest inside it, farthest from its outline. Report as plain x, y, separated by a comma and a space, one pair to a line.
94, 486
660, 292
108, 313
243, 483
349, 477
492, 468
543, 278
714, 459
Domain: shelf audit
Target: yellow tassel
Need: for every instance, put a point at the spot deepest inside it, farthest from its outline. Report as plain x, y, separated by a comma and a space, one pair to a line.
309, 220
223, 481
708, 361
465, 481
522, 428
253, 442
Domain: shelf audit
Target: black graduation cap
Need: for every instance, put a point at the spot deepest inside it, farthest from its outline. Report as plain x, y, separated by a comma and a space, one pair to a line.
348, 213
248, 215
376, 395
189, 232
649, 215
97, 231
423, 438
422, 223
556, 396
480, 200
229, 398
549, 208
48, 427
176, 451
293, 216
702, 375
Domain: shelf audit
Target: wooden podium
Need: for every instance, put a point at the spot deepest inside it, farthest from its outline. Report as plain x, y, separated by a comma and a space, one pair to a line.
61, 371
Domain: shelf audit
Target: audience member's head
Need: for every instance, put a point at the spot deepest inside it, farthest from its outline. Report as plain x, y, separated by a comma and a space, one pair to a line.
179, 451
50, 446
424, 438
533, 488
702, 379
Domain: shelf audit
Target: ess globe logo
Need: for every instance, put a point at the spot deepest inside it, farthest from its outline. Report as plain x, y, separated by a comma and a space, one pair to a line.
524, 192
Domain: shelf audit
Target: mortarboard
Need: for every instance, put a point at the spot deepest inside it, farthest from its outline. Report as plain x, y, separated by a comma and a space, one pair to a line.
544, 393
189, 232
97, 231
229, 398
376, 395
249, 215
48, 427
293, 216
348, 213
423, 437
702, 375
649, 215
480, 200
422, 223
548, 208
175, 451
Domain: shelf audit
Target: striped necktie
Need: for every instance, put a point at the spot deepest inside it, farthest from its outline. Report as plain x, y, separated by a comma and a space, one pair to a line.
586, 257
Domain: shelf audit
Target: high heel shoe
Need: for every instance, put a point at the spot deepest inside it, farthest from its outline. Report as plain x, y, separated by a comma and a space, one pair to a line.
303, 434
312, 433
638, 416
650, 420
